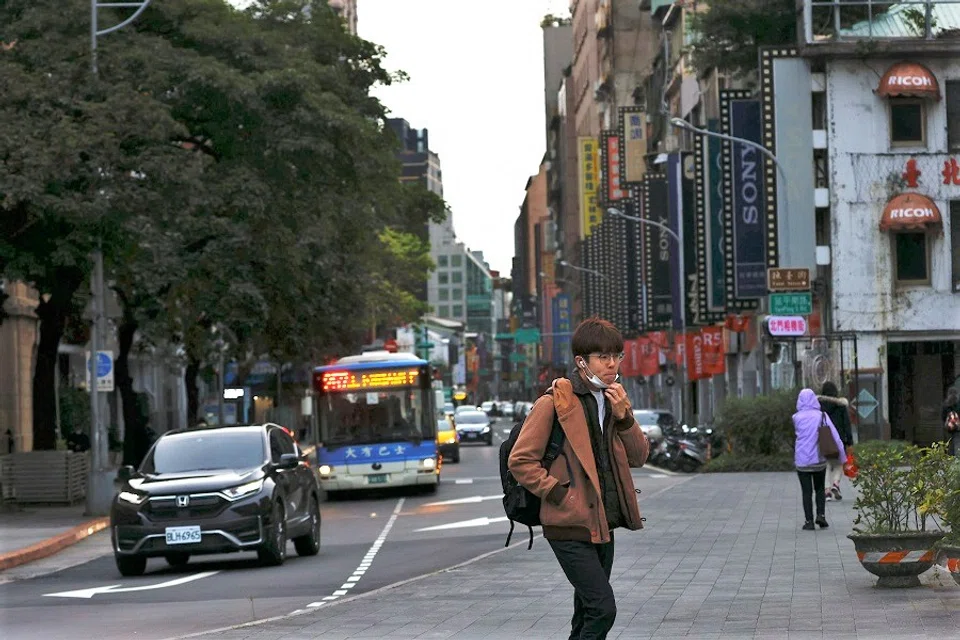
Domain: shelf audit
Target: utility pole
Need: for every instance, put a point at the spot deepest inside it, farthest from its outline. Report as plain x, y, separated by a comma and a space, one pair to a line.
100, 478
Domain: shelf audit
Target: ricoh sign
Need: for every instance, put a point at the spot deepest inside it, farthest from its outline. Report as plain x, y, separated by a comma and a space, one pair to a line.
896, 214
910, 81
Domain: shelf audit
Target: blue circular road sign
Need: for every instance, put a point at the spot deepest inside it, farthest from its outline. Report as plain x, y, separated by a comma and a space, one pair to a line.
104, 364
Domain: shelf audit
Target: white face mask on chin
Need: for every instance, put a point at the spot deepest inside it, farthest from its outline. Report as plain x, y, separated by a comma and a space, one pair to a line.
593, 378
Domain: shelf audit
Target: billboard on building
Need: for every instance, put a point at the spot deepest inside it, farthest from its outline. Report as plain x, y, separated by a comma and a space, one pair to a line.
681, 169
633, 141
613, 190
711, 268
562, 329
745, 220
657, 253
588, 153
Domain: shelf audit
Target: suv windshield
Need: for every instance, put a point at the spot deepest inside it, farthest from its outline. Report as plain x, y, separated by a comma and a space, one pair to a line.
376, 416
206, 450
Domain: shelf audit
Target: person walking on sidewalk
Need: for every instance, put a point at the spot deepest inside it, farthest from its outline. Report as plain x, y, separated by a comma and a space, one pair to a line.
836, 407
588, 491
810, 462
950, 414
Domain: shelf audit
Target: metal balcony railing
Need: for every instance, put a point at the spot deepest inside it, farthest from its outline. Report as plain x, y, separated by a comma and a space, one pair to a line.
858, 20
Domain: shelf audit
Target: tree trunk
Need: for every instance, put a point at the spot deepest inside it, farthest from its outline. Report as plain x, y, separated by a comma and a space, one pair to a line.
52, 314
193, 393
136, 440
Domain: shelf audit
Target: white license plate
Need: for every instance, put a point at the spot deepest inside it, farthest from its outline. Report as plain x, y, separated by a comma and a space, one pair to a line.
182, 535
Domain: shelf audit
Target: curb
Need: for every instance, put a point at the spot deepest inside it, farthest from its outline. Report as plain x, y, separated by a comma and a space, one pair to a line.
52, 545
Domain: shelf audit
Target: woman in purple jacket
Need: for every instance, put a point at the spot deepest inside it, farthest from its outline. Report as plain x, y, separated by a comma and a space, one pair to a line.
811, 465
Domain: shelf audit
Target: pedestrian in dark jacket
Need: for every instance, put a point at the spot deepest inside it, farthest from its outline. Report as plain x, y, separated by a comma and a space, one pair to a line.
951, 404
837, 407
810, 461
588, 490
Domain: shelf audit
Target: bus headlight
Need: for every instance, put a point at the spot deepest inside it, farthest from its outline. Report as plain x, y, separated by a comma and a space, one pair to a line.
428, 463
325, 469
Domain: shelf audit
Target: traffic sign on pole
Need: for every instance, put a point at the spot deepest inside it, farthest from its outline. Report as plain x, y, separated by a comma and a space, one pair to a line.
104, 371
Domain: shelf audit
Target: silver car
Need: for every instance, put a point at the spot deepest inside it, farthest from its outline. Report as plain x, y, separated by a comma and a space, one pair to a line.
474, 426
653, 421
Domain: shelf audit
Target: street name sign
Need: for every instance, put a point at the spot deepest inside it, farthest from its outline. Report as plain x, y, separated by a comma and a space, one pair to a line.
797, 303
788, 279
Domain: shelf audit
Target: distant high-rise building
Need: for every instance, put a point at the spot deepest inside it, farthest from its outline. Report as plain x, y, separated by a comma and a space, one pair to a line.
348, 11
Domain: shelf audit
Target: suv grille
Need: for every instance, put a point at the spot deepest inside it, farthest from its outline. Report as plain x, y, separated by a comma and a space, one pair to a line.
201, 506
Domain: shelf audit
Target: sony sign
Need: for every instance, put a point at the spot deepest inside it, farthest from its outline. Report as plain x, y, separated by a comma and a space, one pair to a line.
748, 206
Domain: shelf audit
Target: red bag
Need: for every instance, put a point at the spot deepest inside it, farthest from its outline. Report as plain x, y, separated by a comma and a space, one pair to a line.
850, 468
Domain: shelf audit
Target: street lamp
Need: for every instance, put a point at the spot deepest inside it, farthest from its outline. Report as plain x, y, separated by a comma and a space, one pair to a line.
584, 269
99, 482
613, 211
680, 123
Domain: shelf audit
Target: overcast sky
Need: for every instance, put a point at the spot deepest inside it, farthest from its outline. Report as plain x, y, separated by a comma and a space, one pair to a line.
476, 82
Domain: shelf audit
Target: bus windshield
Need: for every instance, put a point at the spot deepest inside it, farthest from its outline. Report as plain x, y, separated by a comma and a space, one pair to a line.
349, 418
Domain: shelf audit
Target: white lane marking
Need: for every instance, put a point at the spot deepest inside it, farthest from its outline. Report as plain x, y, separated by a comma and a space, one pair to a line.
476, 522
116, 588
367, 559
505, 431
470, 500
656, 475
463, 481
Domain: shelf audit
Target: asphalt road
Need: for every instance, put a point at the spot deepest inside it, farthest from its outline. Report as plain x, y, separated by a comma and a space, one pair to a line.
368, 542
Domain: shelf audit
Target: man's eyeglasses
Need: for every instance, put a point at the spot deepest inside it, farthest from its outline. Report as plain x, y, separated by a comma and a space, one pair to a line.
607, 358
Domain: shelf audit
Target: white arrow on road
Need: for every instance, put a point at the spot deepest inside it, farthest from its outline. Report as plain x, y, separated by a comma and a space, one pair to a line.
476, 522
470, 500
116, 588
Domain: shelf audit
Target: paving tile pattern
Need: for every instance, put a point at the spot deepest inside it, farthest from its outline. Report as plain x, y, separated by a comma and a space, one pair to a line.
722, 557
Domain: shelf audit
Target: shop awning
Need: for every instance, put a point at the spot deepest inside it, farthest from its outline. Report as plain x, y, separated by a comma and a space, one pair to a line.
909, 80
910, 211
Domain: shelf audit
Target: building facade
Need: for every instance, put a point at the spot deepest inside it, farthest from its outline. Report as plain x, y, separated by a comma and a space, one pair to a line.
347, 9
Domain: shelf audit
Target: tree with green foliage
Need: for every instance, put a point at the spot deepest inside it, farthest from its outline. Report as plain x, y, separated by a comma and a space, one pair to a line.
231, 164
729, 33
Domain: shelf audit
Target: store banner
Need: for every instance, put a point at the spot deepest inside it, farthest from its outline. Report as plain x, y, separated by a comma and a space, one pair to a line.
613, 191
633, 137
589, 164
649, 357
714, 361
694, 355
630, 367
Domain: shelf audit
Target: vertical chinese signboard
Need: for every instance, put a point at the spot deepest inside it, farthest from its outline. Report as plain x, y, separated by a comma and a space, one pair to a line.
588, 155
612, 170
561, 327
746, 217
633, 141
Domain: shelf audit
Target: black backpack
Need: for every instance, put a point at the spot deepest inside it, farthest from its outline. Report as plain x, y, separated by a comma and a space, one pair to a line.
519, 504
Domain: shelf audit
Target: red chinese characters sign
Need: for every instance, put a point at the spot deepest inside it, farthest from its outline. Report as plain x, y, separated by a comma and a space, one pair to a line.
613, 169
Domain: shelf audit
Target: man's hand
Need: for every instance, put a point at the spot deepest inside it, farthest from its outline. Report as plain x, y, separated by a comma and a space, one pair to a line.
619, 403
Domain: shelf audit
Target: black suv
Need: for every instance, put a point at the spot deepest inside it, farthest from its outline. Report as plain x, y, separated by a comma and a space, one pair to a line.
215, 490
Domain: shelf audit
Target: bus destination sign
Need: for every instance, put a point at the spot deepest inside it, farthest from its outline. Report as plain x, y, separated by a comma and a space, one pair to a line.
363, 380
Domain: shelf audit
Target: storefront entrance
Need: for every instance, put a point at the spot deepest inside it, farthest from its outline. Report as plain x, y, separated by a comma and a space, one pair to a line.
919, 374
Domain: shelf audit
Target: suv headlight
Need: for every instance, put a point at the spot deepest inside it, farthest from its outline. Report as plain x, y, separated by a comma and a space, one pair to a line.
234, 493
485, 430
131, 497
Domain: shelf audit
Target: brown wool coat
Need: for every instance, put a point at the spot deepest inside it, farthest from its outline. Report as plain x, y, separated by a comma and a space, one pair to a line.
571, 507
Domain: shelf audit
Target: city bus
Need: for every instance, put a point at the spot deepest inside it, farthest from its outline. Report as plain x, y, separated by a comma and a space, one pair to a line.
378, 416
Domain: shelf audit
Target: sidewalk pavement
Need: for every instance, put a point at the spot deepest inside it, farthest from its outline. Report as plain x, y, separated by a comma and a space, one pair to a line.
31, 532
722, 556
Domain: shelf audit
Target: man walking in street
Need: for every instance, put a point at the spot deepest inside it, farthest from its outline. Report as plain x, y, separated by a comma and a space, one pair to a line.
588, 491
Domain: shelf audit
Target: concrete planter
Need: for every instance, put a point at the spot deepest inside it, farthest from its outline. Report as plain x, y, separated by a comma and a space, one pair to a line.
897, 559
951, 557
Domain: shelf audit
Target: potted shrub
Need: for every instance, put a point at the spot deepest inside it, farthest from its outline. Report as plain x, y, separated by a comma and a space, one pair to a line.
901, 492
950, 545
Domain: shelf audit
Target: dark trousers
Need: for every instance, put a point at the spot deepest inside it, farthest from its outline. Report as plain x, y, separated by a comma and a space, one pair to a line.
587, 567
812, 485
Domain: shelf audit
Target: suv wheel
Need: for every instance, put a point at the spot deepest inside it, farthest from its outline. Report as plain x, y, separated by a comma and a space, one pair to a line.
274, 549
178, 559
131, 565
309, 544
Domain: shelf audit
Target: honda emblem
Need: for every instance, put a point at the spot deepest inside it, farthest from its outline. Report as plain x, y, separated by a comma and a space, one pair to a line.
183, 501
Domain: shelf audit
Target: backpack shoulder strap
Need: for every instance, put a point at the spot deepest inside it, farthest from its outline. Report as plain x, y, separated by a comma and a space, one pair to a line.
555, 443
